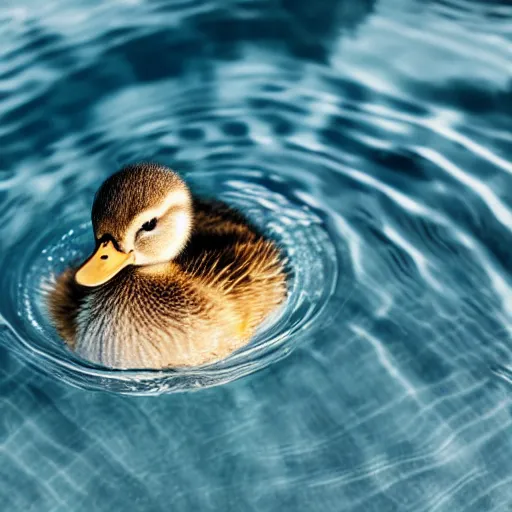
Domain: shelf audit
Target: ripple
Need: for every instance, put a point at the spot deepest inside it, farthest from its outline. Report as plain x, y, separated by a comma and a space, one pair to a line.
372, 140
334, 169
313, 261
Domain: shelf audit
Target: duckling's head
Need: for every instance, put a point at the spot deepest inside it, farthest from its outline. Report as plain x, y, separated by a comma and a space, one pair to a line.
142, 215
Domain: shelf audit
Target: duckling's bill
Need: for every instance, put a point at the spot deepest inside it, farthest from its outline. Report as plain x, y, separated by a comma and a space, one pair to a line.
103, 265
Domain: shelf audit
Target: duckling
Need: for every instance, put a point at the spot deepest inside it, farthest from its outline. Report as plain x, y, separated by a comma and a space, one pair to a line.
175, 280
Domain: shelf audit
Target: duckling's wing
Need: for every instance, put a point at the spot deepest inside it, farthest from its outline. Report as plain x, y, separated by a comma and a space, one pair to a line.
228, 253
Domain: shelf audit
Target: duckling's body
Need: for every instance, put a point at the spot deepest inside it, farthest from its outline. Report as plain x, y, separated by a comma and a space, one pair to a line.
197, 307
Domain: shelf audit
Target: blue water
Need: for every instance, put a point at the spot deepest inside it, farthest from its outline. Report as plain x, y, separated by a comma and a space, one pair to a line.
373, 139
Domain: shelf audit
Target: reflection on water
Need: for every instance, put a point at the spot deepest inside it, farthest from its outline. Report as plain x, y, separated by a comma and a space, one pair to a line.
373, 139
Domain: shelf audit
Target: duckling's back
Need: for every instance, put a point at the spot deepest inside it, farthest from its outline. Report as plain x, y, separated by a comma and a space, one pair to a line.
227, 253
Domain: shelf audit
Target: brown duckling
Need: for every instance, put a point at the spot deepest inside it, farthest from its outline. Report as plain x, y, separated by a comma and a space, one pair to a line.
174, 280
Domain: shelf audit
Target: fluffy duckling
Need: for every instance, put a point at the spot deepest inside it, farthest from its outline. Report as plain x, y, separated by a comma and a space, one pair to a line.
174, 280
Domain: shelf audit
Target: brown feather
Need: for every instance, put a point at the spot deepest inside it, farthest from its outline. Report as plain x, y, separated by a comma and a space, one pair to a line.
198, 308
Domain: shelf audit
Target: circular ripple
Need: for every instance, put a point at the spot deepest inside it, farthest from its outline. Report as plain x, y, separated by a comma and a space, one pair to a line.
312, 259
387, 193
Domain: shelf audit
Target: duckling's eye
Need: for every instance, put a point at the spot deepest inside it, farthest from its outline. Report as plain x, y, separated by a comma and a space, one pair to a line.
149, 226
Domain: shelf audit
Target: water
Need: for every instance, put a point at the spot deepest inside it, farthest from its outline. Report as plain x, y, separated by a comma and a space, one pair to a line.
373, 140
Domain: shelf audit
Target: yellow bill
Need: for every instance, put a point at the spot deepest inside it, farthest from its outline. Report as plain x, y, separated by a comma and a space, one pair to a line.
103, 265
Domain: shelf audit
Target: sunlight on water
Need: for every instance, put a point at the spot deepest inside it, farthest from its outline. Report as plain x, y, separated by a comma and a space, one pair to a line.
372, 140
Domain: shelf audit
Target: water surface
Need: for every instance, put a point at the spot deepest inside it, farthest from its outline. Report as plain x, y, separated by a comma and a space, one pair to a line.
373, 139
